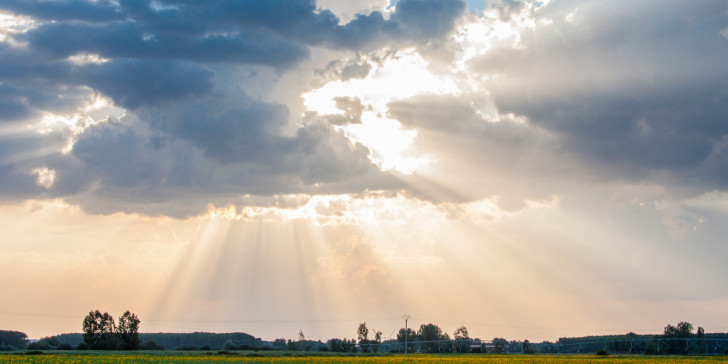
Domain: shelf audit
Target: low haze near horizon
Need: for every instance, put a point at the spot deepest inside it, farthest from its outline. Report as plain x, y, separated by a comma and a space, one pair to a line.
527, 169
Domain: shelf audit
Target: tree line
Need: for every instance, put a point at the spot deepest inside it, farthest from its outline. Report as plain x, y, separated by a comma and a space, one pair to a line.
102, 332
12, 340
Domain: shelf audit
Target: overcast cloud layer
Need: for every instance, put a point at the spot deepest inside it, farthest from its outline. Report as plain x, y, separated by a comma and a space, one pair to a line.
614, 91
188, 131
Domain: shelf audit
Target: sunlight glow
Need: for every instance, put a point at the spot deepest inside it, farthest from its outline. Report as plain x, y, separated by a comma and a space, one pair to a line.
97, 111
12, 24
398, 77
86, 58
388, 143
369, 209
44, 176
346, 11
404, 75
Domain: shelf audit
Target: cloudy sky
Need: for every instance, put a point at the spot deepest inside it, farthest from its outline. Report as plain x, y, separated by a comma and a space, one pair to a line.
528, 169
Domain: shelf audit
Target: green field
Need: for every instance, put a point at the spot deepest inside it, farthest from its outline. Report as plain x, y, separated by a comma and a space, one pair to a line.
250, 357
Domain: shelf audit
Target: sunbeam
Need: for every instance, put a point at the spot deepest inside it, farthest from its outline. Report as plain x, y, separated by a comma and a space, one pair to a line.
530, 169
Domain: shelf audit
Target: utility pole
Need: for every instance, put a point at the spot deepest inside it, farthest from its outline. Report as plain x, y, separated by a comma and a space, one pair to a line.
405, 317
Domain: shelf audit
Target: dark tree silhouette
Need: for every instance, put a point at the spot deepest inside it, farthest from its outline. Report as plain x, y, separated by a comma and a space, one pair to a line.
128, 331
99, 331
362, 333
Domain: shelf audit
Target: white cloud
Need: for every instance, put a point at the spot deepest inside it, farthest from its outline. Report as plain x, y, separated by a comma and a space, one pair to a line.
715, 201
84, 58
11, 24
44, 176
347, 10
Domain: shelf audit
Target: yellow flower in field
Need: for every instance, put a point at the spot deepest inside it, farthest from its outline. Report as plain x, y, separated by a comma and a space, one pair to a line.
183, 358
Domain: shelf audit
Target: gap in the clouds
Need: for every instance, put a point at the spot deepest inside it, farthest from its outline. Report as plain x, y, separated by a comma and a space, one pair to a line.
473, 5
400, 75
477, 5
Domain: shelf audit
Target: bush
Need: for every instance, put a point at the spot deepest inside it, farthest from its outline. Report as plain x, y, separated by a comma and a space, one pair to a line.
83, 346
186, 348
602, 352
651, 348
64, 346
4, 347
150, 345
38, 345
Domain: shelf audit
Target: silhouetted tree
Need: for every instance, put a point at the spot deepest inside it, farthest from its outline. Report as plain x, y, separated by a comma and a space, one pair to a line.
701, 342
99, 331
335, 345
302, 343
499, 345
411, 335
527, 347
362, 333
279, 344
13, 339
150, 345
461, 334
683, 330
128, 331
431, 332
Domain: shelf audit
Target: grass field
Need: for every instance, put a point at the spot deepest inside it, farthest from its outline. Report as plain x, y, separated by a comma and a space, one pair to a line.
148, 358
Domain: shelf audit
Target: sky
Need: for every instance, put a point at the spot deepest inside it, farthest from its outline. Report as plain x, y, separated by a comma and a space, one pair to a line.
527, 169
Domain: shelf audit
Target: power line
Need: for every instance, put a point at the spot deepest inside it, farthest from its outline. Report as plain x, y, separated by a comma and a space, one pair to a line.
502, 326
342, 320
252, 321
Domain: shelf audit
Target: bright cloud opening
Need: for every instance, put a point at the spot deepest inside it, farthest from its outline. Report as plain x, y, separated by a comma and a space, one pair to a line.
44, 176
12, 24
399, 77
86, 58
388, 142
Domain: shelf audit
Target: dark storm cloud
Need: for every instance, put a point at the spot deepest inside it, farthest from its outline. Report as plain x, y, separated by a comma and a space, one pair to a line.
12, 106
118, 155
426, 19
248, 132
19, 155
478, 157
135, 83
638, 88
157, 49
134, 172
130, 40
345, 70
456, 116
90, 11
273, 33
131, 83
193, 134
414, 21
